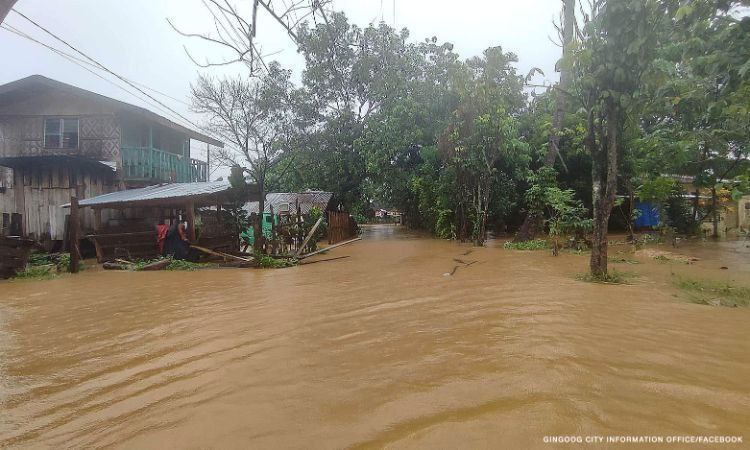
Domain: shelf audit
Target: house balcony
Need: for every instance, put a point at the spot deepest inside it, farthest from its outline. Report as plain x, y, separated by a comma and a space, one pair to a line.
151, 165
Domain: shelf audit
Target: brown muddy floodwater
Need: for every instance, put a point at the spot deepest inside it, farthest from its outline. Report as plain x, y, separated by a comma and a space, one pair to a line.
378, 350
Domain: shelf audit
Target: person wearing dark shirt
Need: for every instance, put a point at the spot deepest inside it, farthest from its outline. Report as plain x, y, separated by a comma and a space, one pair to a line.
177, 244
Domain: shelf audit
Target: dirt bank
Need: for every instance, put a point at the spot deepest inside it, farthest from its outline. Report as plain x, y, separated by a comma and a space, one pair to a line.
379, 349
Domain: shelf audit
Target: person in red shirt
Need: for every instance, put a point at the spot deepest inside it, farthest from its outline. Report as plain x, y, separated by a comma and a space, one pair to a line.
161, 235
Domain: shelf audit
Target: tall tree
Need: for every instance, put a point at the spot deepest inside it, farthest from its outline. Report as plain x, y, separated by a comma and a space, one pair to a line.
236, 28
617, 47
257, 117
697, 118
567, 35
350, 75
483, 140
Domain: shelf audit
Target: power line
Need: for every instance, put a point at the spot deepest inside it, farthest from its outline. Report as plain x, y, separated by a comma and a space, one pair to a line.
79, 62
66, 55
165, 109
102, 67
74, 59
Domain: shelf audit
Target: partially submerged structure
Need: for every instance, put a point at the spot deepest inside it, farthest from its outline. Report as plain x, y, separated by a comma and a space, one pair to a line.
59, 141
284, 203
284, 213
139, 211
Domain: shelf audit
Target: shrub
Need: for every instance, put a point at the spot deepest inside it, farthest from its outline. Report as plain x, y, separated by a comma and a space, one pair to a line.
536, 244
268, 262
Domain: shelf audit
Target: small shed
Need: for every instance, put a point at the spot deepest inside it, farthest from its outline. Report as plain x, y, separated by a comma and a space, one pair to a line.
163, 201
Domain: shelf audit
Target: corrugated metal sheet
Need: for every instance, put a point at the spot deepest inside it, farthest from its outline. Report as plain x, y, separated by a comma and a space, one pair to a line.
157, 192
287, 201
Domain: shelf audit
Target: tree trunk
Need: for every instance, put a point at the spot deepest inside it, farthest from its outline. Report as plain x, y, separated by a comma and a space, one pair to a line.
528, 228
604, 179
483, 197
631, 201
714, 213
696, 200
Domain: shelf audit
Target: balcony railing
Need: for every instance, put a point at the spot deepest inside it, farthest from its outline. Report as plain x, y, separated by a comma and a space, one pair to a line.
153, 165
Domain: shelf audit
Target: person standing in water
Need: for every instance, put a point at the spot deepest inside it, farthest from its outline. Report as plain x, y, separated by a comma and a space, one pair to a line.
177, 244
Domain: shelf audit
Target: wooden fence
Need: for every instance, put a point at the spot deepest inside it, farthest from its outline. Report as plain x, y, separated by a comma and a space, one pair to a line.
340, 227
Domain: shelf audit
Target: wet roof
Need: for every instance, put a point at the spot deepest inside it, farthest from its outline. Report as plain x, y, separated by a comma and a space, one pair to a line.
166, 194
283, 200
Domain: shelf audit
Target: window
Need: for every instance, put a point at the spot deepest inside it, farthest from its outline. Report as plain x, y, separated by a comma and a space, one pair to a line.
61, 133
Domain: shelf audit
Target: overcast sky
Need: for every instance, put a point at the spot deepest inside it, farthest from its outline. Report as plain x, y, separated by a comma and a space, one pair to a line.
134, 40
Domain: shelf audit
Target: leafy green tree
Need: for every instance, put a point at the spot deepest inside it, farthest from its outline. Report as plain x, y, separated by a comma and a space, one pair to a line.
696, 122
483, 139
617, 46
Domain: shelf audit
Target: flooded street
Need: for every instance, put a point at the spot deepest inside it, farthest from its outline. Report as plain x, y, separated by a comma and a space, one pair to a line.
382, 349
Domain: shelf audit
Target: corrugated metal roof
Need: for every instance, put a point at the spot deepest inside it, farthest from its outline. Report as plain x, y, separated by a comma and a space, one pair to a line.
283, 200
171, 191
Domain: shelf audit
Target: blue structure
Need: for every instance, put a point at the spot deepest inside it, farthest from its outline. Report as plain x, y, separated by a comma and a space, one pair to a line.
648, 216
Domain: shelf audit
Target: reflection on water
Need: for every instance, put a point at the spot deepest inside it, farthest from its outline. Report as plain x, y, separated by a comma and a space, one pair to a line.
378, 349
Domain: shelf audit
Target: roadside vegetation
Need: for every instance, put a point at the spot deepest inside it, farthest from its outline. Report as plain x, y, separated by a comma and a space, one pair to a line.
647, 91
706, 292
45, 266
536, 244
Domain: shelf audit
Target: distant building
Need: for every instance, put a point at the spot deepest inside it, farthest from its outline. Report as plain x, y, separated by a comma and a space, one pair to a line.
58, 140
733, 215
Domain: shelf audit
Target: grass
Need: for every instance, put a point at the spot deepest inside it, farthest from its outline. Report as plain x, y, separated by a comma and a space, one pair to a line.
37, 272
705, 292
44, 266
536, 244
613, 277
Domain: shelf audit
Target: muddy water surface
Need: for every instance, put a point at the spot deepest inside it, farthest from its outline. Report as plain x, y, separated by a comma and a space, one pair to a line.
380, 349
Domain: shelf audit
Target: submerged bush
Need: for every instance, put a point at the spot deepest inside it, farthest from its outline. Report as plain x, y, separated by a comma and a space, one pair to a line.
37, 272
45, 266
174, 264
178, 264
267, 262
536, 244
613, 277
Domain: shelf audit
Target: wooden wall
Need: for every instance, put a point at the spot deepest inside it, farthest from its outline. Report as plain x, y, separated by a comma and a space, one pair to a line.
99, 137
38, 192
340, 227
